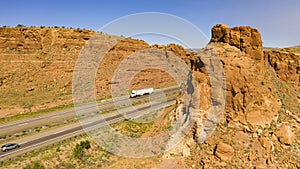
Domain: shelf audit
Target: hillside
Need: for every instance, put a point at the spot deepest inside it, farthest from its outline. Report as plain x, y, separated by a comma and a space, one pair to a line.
37, 66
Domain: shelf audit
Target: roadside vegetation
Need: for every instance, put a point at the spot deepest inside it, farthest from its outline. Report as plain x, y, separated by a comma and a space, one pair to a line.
78, 152
148, 125
39, 112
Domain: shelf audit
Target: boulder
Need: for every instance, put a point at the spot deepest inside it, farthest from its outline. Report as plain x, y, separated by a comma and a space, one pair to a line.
285, 135
224, 151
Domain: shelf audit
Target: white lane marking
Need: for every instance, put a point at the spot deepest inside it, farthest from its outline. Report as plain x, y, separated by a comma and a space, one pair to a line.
23, 142
38, 144
22, 124
54, 116
59, 131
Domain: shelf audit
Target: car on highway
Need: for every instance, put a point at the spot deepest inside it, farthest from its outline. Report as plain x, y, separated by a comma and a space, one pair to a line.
9, 146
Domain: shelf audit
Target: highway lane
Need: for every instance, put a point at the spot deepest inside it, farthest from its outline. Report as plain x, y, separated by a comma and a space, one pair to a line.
59, 117
89, 124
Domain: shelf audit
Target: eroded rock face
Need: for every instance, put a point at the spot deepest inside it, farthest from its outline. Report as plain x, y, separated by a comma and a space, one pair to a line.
250, 98
286, 65
251, 112
37, 40
245, 38
260, 87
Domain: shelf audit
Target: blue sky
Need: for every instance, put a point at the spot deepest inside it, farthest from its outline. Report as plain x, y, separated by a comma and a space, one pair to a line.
277, 20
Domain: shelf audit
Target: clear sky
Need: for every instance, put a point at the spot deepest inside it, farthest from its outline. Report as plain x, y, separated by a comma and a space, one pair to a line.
277, 20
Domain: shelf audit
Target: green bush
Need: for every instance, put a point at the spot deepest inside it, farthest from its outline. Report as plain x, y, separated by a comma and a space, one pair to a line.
20, 25
57, 149
78, 151
85, 144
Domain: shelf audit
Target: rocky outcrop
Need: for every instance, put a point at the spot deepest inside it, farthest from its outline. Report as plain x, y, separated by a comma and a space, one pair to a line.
245, 38
260, 102
178, 50
286, 64
42, 40
250, 98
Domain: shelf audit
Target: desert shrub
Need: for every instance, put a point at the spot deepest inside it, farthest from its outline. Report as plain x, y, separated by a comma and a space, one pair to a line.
78, 151
85, 144
20, 25
57, 149
35, 165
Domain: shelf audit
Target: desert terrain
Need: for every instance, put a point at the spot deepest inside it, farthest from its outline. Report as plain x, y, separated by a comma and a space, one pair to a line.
259, 127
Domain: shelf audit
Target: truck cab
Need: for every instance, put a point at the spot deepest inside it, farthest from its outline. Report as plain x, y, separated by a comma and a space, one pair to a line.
133, 94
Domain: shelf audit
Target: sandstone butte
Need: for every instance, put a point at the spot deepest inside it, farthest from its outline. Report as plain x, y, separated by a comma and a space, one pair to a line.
259, 127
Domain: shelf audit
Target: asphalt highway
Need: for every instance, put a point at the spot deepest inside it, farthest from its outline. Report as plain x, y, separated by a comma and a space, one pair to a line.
59, 117
91, 122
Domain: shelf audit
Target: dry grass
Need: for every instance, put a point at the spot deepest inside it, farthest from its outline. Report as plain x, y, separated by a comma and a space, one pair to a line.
61, 156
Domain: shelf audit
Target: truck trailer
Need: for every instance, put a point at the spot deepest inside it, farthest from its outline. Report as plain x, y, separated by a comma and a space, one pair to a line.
136, 93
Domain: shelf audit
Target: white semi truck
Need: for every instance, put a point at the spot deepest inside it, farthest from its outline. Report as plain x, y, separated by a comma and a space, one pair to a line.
141, 92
